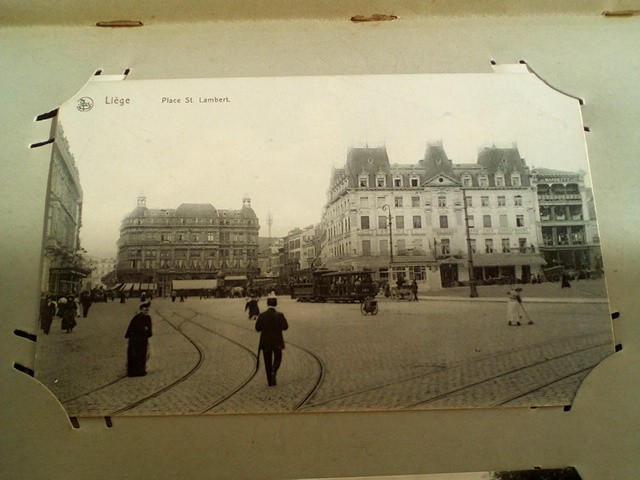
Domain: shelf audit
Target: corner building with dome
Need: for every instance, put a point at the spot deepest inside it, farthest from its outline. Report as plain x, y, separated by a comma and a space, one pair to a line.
192, 242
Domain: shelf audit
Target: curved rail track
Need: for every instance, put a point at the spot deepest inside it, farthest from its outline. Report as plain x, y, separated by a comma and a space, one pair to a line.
476, 385
467, 382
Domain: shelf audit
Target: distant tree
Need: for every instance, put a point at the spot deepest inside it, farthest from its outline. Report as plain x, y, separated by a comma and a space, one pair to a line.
568, 473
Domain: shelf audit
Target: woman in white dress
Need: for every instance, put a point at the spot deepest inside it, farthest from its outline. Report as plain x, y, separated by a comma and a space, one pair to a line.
515, 311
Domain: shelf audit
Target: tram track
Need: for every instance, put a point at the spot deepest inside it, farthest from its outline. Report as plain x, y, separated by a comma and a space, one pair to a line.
317, 360
454, 368
184, 378
299, 396
516, 371
199, 348
150, 396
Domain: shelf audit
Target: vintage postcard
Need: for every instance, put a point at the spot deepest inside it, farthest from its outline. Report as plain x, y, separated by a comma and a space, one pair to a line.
320, 244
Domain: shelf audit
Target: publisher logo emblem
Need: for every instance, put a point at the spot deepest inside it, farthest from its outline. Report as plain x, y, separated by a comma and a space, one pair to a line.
85, 104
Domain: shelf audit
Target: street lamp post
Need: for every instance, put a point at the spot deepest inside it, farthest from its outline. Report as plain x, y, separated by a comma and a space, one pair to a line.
387, 207
473, 291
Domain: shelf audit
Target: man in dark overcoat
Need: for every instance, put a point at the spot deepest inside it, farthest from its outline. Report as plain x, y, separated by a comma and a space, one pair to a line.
270, 324
138, 335
86, 299
252, 307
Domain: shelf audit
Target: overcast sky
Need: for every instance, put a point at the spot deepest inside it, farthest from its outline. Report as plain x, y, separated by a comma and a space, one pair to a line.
276, 139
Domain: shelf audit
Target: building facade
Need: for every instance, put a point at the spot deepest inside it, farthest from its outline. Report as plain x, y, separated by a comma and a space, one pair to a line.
410, 220
100, 268
299, 251
63, 263
568, 233
191, 242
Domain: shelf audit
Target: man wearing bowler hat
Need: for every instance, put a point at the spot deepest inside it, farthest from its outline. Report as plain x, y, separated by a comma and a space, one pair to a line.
138, 335
270, 324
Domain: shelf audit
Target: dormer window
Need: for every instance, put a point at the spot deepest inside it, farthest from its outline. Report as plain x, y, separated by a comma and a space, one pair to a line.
466, 181
499, 179
515, 180
483, 181
381, 181
363, 181
415, 181
397, 182
438, 161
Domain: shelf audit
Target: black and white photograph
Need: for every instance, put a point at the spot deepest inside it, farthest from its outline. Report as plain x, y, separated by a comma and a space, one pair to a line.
320, 244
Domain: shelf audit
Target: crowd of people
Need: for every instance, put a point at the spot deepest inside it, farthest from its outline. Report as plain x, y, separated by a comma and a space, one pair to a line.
65, 307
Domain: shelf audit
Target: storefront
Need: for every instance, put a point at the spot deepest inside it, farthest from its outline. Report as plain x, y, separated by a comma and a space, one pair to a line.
64, 280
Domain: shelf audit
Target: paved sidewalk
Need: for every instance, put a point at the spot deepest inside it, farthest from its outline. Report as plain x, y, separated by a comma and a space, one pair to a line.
582, 291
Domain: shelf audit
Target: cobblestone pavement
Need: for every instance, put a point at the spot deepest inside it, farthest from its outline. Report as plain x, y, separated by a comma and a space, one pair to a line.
412, 355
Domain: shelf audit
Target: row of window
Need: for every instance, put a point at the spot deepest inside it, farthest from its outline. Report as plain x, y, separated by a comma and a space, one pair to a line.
443, 247
487, 221
563, 235
561, 213
399, 202
222, 237
183, 264
193, 254
499, 180
381, 181
189, 221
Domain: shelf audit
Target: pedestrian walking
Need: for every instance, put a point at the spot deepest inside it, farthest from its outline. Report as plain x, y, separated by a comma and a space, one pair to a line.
68, 313
138, 334
414, 290
174, 294
271, 324
86, 300
48, 311
564, 281
44, 313
252, 307
516, 314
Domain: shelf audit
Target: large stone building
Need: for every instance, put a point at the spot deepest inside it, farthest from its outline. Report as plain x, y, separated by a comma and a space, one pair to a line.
63, 262
412, 217
191, 242
568, 233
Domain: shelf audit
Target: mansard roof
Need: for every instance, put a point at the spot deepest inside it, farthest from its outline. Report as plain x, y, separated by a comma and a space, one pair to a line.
336, 175
505, 160
196, 210
247, 212
367, 160
436, 161
138, 212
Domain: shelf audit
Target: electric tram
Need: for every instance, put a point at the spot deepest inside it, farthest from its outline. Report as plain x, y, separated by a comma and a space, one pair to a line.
334, 286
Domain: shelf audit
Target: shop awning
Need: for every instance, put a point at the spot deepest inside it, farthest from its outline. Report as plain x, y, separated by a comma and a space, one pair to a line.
507, 259
195, 284
235, 277
74, 271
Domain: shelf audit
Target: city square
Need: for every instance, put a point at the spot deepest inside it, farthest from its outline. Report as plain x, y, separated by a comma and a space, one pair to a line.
404, 208
440, 352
